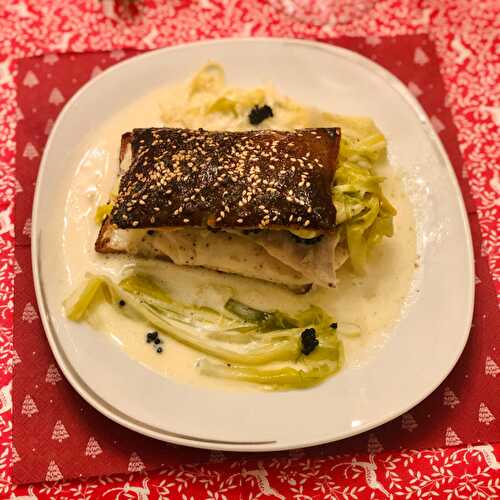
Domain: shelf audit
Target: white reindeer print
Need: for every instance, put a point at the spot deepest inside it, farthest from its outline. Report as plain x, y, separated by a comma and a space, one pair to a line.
141, 492
6, 398
371, 474
370, 469
6, 225
489, 455
260, 474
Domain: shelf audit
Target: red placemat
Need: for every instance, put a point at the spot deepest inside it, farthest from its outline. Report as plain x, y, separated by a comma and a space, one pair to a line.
56, 434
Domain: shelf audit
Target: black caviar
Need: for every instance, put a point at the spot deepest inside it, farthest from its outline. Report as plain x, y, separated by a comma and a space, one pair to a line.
309, 341
121, 303
151, 232
159, 350
157, 341
259, 114
151, 337
334, 326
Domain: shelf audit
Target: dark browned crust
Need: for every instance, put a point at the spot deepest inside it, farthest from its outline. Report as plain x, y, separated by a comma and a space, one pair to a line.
102, 243
254, 179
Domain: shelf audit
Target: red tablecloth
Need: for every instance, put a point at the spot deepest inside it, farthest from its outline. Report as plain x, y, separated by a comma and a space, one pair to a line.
465, 38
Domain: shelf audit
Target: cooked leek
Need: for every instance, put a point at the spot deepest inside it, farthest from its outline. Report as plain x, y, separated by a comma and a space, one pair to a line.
280, 378
208, 331
102, 212
362, 209
76, 305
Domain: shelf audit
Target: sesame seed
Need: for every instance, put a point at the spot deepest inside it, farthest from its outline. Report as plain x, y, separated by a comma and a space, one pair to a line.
306, 223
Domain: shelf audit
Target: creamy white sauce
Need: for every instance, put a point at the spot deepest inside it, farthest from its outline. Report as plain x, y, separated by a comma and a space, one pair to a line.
375, 302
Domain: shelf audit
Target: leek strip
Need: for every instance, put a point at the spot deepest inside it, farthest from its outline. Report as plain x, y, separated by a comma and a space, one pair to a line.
281, 378
76, 305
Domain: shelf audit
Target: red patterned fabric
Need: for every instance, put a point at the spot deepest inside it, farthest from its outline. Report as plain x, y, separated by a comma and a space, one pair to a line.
445, 418
465, 36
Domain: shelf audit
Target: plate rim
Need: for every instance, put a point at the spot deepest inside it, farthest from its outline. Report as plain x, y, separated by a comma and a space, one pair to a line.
117, 415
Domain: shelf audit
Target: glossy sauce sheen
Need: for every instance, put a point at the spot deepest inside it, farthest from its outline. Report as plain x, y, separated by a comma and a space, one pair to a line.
374, 302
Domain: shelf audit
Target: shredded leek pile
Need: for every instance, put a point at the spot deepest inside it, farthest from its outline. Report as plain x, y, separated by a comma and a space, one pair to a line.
241, 343
364, 215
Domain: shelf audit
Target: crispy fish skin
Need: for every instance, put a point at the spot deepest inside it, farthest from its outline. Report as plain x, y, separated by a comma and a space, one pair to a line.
259, 179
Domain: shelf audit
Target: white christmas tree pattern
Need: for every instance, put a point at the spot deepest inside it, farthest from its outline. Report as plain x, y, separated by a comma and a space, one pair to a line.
29, 407
59, 433
30, 151
15, 455
19, 115
373, 41
374, 445
19, 188
135, 464
93, 449
53, 376
53, 472
17, 267
485, 415
48, 126
27, 227
420, 57
491, 368
56, 97
30, 80
451, 438
96, 71
216, 457
29, 313
414, 89
15, 358
449, 398
408, 422
117, 54
437, 124
50, 59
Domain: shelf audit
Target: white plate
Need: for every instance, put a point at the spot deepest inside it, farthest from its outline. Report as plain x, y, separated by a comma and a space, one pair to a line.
421, 351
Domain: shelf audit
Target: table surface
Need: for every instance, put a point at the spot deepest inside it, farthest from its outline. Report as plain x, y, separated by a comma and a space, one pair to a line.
466, 35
